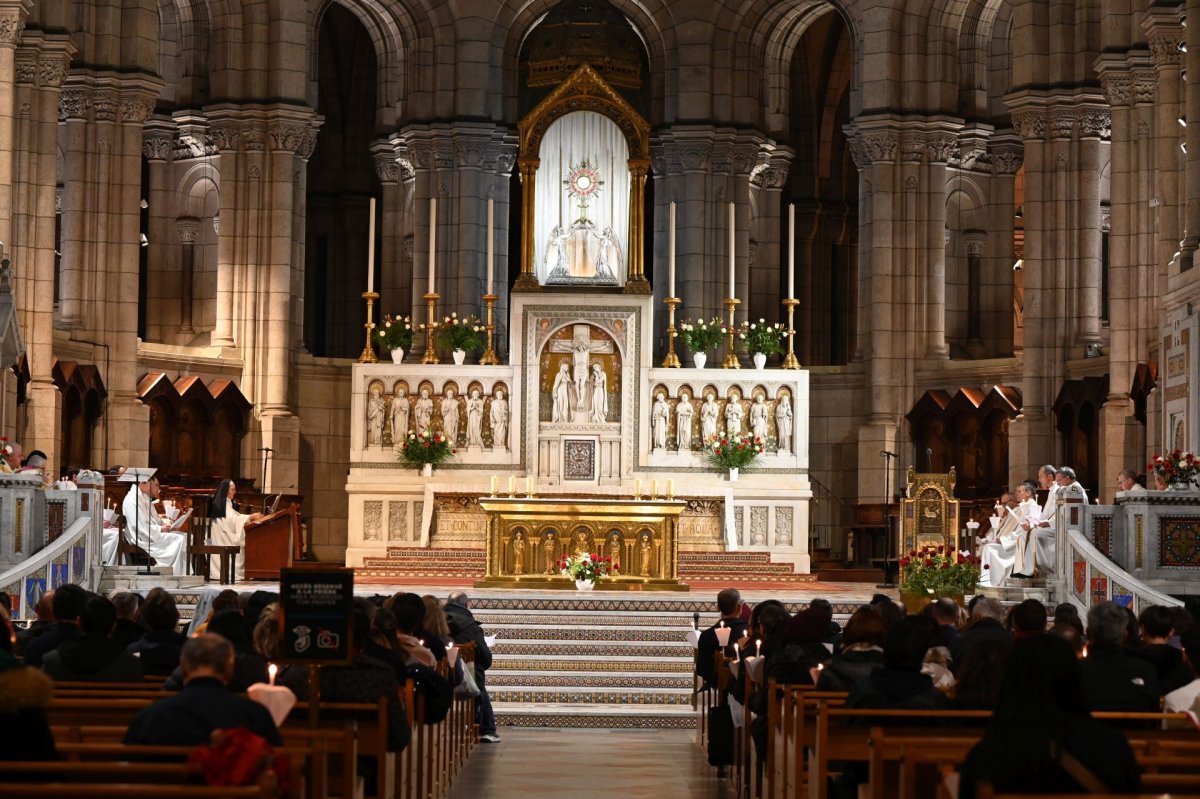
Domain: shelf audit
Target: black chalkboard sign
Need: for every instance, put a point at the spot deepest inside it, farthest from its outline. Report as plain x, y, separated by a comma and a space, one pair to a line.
316, 615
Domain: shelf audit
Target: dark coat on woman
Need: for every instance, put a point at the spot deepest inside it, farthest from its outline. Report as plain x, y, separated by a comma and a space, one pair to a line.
24, 728
92, 658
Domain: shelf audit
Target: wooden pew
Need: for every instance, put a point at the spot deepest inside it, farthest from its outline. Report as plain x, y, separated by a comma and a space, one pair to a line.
59, 790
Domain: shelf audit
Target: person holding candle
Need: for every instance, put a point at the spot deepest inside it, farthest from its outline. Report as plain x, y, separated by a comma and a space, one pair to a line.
729, 604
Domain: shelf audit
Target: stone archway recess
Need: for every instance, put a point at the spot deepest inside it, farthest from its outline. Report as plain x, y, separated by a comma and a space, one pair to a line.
585, 90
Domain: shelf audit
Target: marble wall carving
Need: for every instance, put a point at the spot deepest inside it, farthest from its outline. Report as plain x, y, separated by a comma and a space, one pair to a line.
476, 421
683, 423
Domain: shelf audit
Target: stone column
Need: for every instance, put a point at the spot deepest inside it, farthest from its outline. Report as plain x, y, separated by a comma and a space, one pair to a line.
187, 229
162, 323
937, 151
41, 66
1006, 155
768, 276
226, 133
1165, 97
12, 22
1191, 228
395, 281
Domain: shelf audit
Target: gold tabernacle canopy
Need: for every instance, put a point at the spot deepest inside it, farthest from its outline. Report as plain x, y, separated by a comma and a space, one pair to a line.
526, 537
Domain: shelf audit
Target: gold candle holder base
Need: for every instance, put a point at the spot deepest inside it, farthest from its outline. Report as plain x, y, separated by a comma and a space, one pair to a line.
489, 355
790, 361
672, 360
368, 353
731, 359
431, 355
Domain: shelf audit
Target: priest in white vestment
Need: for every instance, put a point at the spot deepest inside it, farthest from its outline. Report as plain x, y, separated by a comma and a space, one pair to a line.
1066, 486
228, 529
146, 529
999, 557
1029, 532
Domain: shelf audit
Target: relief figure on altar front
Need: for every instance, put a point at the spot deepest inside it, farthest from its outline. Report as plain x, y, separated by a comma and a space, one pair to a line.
450, 417
758, 419
400, 411
583, 540
376, 408
423, 412
561, 396
783, 423
709, 412
660, 416
734, 413
550, 551
499, 418
647, 555
683, 422
475, 419
614, 550
518, 548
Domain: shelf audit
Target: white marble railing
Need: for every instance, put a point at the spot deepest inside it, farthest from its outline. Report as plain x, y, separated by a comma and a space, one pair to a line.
73, 527
1092, 578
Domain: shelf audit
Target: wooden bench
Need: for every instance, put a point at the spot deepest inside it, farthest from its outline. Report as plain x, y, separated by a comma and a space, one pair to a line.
59, 790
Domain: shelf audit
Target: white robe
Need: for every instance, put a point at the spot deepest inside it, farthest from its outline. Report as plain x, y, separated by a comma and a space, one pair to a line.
1027, 541
108, 545
229, 531
1047, 537
144, 528
999, 556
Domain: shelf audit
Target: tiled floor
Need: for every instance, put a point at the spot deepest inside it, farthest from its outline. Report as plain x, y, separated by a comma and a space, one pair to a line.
554, 764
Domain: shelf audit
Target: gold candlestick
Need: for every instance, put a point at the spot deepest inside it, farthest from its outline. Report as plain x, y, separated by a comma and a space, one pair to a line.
731, 359
368, 353
431, 355
672, 360
489, 355
790, 361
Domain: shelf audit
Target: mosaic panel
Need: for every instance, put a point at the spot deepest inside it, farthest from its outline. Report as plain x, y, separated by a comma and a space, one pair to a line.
1179, 542
1122, 596
56, 513
85, 501
34, 588
1102, 534
1078, 578
58, 573
1099, 589
14, 594
78, 561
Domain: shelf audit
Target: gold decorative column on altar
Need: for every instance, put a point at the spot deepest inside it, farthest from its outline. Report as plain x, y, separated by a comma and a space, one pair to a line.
929, 513
526, 536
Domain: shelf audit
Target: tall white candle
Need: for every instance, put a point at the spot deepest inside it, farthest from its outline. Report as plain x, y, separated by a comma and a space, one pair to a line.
432, 242
491, 254
732, 253
371, 248
671, 255
791, 295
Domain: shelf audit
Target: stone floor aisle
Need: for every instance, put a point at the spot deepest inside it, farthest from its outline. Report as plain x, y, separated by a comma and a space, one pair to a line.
581, 764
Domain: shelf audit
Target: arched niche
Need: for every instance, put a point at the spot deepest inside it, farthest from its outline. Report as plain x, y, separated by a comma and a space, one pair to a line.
584, 91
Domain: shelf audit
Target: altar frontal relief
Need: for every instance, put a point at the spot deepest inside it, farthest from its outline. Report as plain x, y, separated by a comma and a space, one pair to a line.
581, 233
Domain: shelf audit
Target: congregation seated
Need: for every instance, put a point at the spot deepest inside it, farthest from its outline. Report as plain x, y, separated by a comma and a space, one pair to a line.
66, 605
465, 629
729, 605
861, 652
205, 704
900, 683
1027, 618
160, 646
1187, 697
43, 620
978, 674
24, 694
1168, 661
93, 656
986, 623
249, 667
1114, 679
396, 634
127, 629
1041, 738
364, 680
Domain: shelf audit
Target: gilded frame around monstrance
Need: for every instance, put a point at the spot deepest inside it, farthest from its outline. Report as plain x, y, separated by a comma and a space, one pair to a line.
585, 90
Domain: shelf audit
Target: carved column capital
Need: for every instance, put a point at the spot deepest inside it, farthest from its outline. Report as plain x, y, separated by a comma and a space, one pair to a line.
12, 22
188, 229
1117, 88
1164, 47
74, 104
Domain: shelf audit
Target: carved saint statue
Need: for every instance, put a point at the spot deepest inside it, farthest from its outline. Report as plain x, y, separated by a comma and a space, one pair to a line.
561, 396
475, 419
450, 417
647, 555
599, 413
518, 548
579, 371
548, 549
733, 414
783, 422
614, 550
758, 419
499, 416
423, 411
583, 541
709, 413
660, 416
683, 422
400, 411
376, 408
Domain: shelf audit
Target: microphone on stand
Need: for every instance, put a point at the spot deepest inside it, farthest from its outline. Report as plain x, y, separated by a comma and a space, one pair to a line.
885, 454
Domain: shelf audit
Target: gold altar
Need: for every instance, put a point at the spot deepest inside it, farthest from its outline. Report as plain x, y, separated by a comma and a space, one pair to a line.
526, 536
930, 511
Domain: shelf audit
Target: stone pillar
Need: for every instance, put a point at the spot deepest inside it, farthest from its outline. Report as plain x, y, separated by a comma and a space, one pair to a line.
225, 138
768, 275
162, 322
41, 66
12, 22
187, 229
938, 148
1191, 228
395, 280
997, 282
1165, 97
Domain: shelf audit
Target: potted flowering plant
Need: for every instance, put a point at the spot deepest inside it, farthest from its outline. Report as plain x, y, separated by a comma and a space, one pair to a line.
700, 337
931, 573
762, 339
396, 334
586, 569
461, 334
1179, 470
425, 450
733, 452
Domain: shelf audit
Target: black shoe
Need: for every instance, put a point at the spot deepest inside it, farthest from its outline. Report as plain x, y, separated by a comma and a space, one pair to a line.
1022, 577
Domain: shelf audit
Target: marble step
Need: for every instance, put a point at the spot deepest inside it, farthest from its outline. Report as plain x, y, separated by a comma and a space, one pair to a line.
606, 664
613, 716
587, 679
592, 696
652, 649
587, 632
